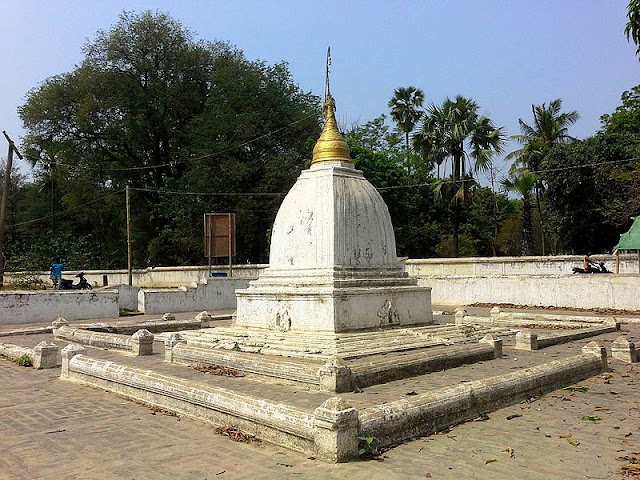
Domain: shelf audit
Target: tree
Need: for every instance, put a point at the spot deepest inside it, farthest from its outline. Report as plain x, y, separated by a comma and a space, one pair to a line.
152, 108
523, 182
550, 127
376, 152
632, 29
455, 130
405, 111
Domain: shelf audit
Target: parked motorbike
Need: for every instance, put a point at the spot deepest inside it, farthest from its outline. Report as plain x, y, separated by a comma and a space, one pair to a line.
594, 267
82, 284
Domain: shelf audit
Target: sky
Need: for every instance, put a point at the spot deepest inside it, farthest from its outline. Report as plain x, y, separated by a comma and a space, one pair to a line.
506, 55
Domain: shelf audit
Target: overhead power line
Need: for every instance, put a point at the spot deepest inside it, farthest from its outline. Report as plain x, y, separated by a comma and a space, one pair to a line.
177, 162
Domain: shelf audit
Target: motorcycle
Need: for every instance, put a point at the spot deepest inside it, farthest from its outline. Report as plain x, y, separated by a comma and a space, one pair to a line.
66, 284
594, 267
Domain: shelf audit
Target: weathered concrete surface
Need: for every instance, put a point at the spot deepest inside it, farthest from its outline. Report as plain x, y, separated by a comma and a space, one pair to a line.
43, 355
140, 343
212, 294
570, 291
482, 266
46, 306
435, 411
82, 426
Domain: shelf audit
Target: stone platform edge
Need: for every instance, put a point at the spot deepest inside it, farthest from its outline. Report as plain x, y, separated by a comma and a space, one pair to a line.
331, 432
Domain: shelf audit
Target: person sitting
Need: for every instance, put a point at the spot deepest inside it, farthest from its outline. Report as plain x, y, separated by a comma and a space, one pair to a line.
586, 264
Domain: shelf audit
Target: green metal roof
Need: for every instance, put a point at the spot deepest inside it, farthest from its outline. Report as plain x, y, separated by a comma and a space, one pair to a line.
631, 239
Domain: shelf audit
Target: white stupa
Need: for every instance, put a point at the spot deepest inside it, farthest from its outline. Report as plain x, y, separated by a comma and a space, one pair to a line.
333, 265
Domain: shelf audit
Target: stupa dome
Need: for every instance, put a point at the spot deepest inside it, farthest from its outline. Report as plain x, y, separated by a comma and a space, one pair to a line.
332, 217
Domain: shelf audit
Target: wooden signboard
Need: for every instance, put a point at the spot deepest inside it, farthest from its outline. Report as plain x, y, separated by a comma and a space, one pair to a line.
220, 236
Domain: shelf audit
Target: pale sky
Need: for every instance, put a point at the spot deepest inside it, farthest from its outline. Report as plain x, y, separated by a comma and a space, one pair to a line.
505, 54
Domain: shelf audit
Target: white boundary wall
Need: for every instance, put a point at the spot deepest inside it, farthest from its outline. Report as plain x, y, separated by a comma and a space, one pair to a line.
514, 265
579, 291
46, 306
215, 294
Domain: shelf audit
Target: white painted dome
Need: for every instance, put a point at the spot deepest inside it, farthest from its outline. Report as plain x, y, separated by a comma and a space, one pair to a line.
332, 217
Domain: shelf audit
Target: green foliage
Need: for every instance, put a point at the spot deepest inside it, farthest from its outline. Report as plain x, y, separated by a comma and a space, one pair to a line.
24, 361
588, 206
632, 28
152, 108
27, 281
368, 446
455, 130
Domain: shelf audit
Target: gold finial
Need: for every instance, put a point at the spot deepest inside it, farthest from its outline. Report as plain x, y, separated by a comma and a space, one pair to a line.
331, 146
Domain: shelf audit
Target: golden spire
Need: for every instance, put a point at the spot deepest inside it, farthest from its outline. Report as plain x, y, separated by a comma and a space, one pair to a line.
331, 146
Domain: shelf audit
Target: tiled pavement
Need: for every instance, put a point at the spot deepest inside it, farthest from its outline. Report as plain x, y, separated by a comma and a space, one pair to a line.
51, 429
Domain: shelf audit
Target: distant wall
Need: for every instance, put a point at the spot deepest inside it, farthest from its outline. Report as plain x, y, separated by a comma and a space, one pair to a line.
154, 277
580, 291
555, 265
46, 306
215, 294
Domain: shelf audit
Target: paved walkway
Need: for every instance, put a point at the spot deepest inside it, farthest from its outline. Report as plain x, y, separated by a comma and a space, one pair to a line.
59, 430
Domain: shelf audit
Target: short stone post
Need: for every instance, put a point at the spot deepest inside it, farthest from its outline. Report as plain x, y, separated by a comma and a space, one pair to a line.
335, 376
68, 353
526, 341
459, 316
336, 427
204, 318
142, 343
496, 343
624, 350
45, 355
594, 349
59, 322
171, 341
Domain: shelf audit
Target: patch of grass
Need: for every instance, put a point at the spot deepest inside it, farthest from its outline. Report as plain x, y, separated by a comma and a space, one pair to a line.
24, 361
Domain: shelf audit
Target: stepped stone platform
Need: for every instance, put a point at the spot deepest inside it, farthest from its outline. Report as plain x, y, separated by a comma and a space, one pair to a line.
402, 383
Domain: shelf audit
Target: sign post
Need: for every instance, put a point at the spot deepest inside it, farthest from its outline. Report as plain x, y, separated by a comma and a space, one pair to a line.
220, 237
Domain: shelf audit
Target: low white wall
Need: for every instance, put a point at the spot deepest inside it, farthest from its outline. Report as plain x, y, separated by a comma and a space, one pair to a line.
46, 306
127, 297
153, 277
580, 291
514, 265
215, 294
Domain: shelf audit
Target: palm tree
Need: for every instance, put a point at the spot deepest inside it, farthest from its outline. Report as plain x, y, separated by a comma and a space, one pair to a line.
405, 111
456, 131
632, 29
550, 127
523, 182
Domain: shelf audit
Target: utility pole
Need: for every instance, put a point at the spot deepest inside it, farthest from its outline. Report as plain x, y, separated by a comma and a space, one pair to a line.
129, 269
5, 200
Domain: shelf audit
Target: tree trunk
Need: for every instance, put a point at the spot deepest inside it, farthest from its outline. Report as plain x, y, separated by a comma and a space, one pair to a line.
543, 243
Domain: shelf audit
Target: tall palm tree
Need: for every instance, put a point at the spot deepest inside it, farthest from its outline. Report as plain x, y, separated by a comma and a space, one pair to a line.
550, 127
523, 182
406, 112
632, 28
456, 131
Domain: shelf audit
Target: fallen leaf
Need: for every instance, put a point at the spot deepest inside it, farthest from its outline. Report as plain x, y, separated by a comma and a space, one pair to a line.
600, 408
565, 435
579, 388
592, 418
490, 460
411, 393
511, 417
510, 451
573, 442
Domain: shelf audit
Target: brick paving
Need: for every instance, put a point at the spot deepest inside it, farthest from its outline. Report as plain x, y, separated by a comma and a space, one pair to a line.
60, 430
